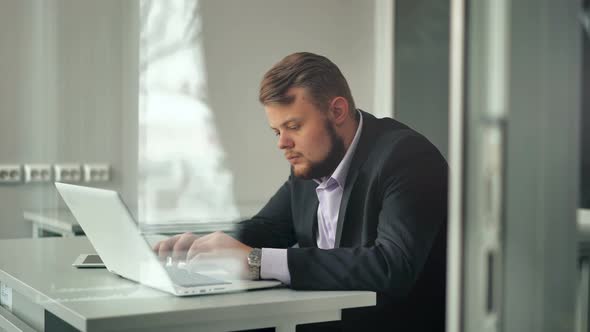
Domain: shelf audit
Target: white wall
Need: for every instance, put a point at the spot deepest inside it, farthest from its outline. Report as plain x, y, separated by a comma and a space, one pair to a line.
242, 40
69, 86
66, 94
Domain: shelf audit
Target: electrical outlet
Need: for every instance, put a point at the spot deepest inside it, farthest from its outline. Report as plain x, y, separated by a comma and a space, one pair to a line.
11, 174
96, 172
37, 173
67, 172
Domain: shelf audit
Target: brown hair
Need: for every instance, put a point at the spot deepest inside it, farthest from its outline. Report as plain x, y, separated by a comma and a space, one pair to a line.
317, 74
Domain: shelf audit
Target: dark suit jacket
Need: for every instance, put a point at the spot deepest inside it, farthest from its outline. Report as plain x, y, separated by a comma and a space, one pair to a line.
391, 233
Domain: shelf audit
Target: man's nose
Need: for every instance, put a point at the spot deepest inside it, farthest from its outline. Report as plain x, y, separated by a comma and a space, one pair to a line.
285, 142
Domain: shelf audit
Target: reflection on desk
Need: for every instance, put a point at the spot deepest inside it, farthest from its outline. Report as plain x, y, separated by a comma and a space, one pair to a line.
49, 291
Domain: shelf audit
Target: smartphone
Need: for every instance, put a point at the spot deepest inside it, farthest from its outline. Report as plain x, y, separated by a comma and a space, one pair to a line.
88, 260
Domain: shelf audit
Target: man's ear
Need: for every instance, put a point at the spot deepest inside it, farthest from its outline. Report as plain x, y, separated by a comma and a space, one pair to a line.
339, 110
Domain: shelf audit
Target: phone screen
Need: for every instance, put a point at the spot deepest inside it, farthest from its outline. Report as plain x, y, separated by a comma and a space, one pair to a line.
92, 259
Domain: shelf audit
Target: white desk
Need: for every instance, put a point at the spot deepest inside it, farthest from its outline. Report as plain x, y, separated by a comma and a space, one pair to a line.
49, 294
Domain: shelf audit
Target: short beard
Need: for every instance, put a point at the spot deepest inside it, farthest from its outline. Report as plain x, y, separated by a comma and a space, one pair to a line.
327, 166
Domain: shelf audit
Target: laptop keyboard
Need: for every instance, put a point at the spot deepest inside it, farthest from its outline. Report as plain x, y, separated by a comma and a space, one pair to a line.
184, 278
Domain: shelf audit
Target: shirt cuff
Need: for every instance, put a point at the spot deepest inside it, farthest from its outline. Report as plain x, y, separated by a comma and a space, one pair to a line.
273, 265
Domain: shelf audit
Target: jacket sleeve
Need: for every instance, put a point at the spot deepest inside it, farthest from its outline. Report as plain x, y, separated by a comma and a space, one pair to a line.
272, 227
412, 183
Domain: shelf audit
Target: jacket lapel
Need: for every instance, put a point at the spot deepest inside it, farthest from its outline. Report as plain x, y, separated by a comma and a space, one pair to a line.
360, 155
310, 214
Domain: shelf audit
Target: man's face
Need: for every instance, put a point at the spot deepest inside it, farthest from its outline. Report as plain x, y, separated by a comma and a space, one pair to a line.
307, 136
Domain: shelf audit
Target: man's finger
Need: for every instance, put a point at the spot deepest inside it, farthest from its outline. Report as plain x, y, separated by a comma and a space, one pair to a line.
198, 247
163, 249
182, 245
165, 246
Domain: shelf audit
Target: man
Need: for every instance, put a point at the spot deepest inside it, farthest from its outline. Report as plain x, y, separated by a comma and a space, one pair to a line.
366, 202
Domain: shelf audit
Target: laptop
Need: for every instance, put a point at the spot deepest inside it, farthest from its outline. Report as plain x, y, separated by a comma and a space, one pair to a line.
117, 239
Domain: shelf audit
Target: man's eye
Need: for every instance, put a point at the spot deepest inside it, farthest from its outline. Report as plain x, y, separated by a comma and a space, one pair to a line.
293, 127
277, 133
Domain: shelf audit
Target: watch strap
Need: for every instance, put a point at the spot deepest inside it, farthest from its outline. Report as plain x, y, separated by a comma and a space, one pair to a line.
254, 263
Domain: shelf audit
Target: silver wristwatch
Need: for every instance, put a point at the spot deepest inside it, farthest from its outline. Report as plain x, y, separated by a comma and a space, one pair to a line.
254, 259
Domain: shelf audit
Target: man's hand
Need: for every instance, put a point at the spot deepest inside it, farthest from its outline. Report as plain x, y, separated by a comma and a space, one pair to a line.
212, 247
217, 243
175, 247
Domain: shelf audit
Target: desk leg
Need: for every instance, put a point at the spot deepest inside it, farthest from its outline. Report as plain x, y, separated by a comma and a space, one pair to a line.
67, 234
282, 322
35, 230
286, 328
583, 308
54, 323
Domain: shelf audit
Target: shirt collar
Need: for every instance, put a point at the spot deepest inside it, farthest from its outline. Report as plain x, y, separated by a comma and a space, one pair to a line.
341, 171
